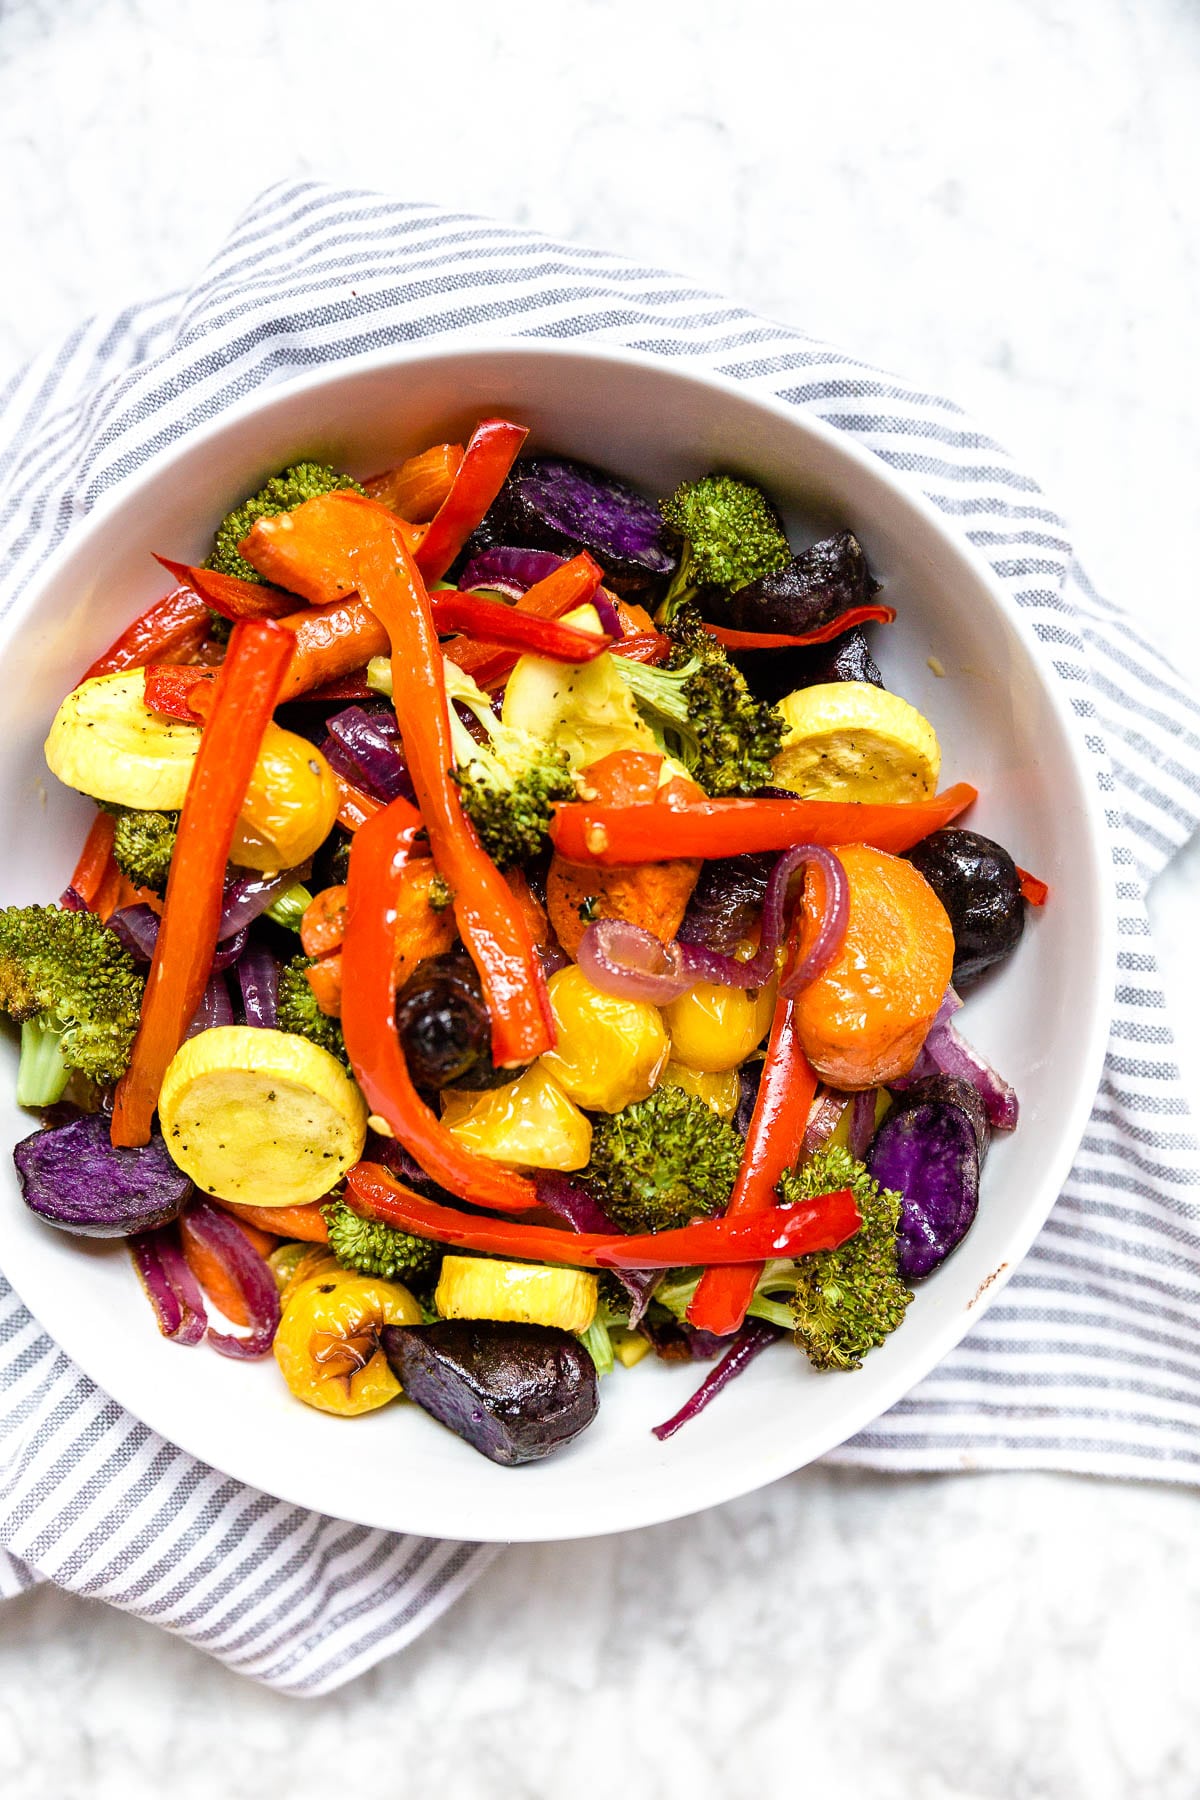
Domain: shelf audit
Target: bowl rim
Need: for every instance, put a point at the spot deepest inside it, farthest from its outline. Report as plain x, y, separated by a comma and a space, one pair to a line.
155, 1411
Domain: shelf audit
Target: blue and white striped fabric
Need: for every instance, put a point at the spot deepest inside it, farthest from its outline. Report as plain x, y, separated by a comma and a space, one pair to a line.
1091, 1358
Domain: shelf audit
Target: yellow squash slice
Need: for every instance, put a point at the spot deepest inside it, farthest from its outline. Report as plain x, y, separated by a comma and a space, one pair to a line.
848, 740
478, 1287
260, 1117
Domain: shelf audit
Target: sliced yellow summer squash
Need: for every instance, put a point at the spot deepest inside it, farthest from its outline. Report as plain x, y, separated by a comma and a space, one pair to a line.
260, 1117
478, 1287
848, 740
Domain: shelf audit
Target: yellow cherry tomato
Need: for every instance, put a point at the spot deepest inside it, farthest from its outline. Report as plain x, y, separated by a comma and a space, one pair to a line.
529, 1123
290, 807
715, 1028
718, 1088
327, 1344
607, 1052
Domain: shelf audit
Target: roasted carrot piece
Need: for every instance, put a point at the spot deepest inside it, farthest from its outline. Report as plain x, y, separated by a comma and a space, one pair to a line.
863, 1021
304, 1222
325, 980
417, 487
324, 923
95, 859
221, 1289
304, 551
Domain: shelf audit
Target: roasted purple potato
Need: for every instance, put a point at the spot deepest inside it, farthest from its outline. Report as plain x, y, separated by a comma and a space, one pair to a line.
930, 1149
555, 503
72, 1177
514, 1392
727, 901
774, 673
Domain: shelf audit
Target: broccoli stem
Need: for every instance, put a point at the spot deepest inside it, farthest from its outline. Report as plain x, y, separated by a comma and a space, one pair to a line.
42, 1073
290, 907
598, 1345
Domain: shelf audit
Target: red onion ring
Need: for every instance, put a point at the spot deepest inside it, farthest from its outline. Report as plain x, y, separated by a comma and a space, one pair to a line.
862, 1123
755, 1336
215, 1007
610, 618
831, 925
169, 1285
626, 960
711, 965
228, 1243
258, 978
824, 1119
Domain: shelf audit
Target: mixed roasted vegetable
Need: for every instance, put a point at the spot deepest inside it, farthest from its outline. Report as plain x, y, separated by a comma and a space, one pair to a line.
516, 938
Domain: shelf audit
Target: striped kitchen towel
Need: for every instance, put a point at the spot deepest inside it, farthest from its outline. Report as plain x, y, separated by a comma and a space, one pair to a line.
1089, 1361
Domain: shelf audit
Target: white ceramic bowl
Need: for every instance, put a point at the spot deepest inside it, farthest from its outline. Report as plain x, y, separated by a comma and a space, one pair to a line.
1003, 725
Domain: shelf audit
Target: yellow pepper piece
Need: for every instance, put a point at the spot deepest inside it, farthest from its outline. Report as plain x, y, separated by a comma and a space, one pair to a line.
327, 1344
718, 1088
530, 1123
607, 1052
478, 1287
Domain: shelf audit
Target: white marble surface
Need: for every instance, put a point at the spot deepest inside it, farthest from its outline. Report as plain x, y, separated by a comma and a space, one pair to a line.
998, 199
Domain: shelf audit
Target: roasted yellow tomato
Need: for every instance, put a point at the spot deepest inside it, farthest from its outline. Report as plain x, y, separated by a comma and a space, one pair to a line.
483, 1287
291, 804
260, 1117
718, 1088
607, 1052
106, 742
529, 1123
715, 1028
327, 1344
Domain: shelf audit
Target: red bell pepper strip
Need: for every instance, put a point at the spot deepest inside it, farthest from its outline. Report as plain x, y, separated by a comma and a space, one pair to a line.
170, 688
354, 807
229, 595
243, 702
673, 826
644, 647
489, 456
1033, 889
95, 861
572, 584
820, 634
331, 642
495, 622
169, 631
381, 850
345, 687
488, 918
820, 1224
773, 1143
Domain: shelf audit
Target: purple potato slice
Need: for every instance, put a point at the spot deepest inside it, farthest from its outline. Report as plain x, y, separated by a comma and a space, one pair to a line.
930, 1149
73, 1178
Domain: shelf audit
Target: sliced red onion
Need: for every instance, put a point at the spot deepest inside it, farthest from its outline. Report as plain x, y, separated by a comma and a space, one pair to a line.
137, 928
499, 589
505, 567
626, 960
610, 619
248, 895
862, 1123
169, 1285
711, 965
372, 742
823, 1120
215, 1007
70, 901
755, 1336
258, 978
949, 1054
570, 1200
224, 1239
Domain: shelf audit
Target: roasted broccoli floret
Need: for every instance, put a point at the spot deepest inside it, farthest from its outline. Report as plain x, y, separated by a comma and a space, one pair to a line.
838, 1303
143, 845
663, 1161
510, 783
297, 1010
374, 1248
283, 493
702, 712
730, 534
76, 993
